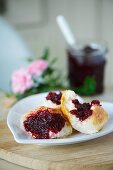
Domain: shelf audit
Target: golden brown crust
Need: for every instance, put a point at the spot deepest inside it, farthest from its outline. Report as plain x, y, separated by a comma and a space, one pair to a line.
63, 107
51, 110
42, 108
99, 117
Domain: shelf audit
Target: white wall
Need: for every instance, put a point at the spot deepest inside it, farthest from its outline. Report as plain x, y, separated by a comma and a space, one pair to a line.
87, 18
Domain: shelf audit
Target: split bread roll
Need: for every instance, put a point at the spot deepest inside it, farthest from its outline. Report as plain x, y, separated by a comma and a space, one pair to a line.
46, 123
87, 118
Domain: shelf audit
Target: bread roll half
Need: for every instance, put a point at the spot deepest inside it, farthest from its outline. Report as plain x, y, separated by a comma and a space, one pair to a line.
46, 123
87, 118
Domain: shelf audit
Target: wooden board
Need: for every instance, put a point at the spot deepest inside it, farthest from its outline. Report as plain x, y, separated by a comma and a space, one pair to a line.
95, 154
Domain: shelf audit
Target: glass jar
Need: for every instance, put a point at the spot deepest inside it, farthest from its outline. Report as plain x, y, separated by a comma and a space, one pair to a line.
86, 65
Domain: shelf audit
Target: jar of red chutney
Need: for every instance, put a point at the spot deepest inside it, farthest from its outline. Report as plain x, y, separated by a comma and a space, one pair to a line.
86, 66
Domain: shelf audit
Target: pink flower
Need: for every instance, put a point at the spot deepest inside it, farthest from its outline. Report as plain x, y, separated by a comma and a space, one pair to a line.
37, 67
21, 81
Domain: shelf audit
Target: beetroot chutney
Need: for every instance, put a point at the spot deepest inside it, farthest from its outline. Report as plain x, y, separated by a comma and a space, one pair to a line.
54, 97
83, 111
40, 122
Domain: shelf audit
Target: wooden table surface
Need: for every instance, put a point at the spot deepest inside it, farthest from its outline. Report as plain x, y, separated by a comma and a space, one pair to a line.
92, 155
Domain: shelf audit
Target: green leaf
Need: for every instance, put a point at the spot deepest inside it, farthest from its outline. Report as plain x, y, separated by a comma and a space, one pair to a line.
88, 87
45, 56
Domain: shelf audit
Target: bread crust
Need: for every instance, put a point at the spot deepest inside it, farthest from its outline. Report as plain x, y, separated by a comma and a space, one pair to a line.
99, 117
63, 107
42, 108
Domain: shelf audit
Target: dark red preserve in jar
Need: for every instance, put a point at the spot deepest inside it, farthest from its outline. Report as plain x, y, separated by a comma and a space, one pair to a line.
86, 66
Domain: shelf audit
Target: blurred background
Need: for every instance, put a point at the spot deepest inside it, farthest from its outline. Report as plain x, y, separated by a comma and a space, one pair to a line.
28, 27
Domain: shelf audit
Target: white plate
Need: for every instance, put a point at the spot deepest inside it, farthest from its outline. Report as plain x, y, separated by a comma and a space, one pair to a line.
29, 103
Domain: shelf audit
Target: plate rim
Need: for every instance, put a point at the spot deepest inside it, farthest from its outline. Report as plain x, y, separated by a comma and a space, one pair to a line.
63, 141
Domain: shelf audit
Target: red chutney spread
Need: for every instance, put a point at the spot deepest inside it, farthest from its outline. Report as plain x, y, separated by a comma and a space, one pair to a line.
83, 111
54, 97
41, 122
